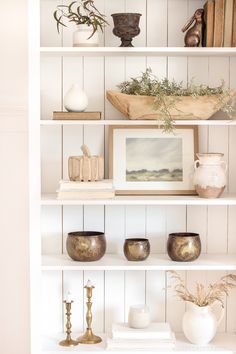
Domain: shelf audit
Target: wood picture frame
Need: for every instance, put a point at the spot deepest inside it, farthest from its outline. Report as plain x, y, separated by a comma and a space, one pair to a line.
122, 140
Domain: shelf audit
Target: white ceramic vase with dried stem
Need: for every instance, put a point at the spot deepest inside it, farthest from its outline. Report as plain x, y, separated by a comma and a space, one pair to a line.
200, 323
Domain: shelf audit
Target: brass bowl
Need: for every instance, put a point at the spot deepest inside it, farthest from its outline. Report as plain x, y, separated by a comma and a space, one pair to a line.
136, 249
86, 246
184, 246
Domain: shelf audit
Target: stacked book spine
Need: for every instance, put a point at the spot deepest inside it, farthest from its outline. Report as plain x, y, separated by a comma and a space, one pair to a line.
220, 20
156, 336
86, 190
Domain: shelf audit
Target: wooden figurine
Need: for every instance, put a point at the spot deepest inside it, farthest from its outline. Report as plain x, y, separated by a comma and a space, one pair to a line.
194, 35
86, 168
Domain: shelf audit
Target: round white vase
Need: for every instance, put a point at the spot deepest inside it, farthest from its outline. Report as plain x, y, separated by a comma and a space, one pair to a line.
210, 175
75, 99
200, 323
81, 37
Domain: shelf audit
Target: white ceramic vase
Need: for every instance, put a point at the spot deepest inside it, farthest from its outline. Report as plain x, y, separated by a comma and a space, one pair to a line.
75, 99
81, 37
200, 323
210, 175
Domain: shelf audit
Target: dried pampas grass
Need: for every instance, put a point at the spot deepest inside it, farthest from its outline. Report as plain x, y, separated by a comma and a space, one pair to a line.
204, 296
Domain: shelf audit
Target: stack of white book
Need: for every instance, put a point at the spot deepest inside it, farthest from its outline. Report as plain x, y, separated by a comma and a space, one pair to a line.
86, 190
156, 336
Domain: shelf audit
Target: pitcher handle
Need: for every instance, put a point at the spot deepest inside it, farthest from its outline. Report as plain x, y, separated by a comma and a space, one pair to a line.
222, 313
224, 165
197, 163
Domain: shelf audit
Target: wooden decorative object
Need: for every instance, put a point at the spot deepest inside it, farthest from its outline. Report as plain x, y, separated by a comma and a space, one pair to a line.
86, 168
194, 35
76, 115
137, 178
142, 107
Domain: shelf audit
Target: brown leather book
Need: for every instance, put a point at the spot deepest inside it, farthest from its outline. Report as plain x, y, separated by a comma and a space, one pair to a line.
228, 23
234, 26
219, 23
209, 13
76, 115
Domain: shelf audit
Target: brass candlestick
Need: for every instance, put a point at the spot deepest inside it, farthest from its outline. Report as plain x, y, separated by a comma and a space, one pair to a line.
68, 342
88, 337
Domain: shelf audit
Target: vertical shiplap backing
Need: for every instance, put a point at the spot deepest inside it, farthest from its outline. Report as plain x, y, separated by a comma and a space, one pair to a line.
161, 24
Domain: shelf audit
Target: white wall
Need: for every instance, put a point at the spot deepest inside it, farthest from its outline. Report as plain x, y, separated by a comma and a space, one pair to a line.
14, 273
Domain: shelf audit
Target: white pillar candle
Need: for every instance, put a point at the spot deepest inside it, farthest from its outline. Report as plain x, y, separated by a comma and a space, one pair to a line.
68, 298
89, 284
139, 316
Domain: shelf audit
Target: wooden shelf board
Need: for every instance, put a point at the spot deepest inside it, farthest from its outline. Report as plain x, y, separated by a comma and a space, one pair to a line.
154, 262
227, 199
136, 51
223, 343
134, 122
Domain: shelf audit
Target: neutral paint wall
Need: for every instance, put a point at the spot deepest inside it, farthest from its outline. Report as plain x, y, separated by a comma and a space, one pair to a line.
14, 272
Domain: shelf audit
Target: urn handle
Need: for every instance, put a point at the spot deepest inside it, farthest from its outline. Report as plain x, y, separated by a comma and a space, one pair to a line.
224, 165
196, 164
218, 314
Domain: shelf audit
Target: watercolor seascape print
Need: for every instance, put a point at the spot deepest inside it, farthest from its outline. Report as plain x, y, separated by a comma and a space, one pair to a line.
154, 160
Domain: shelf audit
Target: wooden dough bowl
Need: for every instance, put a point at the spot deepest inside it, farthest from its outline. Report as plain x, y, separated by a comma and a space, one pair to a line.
141, 107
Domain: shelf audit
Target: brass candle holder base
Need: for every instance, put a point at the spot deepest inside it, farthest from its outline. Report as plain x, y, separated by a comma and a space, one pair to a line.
89, 338
69, 343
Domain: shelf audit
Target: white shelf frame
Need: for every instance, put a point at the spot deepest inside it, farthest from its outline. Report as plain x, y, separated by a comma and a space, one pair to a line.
137, 51
227, 199
51, 122
160, 262
222, 344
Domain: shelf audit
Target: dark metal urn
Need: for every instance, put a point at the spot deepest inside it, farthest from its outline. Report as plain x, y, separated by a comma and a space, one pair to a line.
126, 27
184, 246
86, 246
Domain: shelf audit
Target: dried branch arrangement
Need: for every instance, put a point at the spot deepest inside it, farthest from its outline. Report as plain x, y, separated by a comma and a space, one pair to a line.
85, 13
204, 296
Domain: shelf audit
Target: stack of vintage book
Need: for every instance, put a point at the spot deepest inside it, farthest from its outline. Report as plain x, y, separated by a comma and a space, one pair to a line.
220, 20
155, 336
86, 190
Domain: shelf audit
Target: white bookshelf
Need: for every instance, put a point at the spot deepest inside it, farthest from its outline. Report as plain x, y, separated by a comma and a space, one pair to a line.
52, 122
222, 344
137, 51
111, 262
228, 199
117, 281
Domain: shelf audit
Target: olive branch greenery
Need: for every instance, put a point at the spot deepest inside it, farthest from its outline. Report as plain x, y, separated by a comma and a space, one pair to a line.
85, 13
168, 92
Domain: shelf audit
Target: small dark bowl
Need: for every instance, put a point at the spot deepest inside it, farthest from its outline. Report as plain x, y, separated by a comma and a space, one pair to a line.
136, 249
86, 246
184, 246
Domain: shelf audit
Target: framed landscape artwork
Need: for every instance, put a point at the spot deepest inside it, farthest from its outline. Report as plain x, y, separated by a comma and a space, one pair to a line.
143, 160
